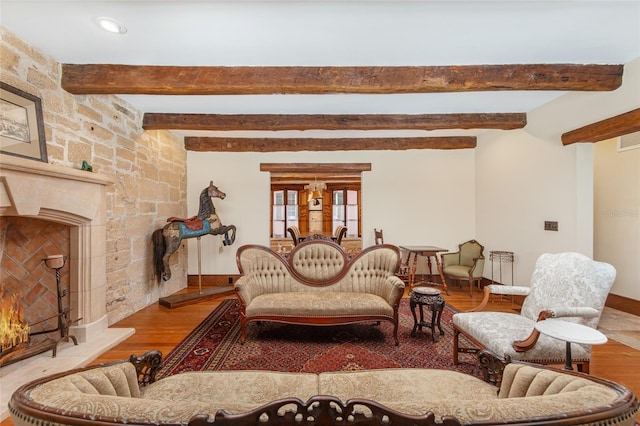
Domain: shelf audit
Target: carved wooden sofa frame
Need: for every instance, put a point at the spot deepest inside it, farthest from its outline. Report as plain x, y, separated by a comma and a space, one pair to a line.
319, 409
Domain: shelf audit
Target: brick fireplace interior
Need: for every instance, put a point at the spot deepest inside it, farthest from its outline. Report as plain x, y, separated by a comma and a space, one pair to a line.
25, 243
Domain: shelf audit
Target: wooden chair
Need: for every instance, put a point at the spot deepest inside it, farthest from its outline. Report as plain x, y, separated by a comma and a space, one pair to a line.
403, 270
295, 234
379, 236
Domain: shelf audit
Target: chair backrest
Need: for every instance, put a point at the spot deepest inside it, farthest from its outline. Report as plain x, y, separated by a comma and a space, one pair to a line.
469, 251
295, 234
566, 280
379, 237
341, 231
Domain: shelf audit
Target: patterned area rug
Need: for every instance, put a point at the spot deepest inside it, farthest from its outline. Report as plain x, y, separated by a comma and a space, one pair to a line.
215, 345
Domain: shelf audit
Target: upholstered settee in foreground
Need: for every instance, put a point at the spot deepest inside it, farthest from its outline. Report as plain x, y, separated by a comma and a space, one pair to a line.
318, 285
126, 392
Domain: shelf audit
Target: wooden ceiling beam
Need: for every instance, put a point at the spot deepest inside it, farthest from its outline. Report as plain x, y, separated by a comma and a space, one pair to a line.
325, 144
201, 80
622, 124
315, 168
226, 122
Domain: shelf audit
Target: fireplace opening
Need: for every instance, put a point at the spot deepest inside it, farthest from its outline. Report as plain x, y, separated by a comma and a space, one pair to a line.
35, 299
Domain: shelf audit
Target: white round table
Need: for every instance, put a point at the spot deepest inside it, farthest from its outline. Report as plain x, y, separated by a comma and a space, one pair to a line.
570, 332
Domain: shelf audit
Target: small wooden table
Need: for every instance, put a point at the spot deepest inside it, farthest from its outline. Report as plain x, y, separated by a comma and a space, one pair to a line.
428, 252
570, 332
432, 297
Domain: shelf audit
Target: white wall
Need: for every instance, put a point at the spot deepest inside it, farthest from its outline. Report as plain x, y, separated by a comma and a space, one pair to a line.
499, 193
521, 181
416, 197
527, 176
617, 214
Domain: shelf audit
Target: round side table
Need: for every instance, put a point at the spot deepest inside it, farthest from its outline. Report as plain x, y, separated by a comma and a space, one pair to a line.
431, 297
570, 332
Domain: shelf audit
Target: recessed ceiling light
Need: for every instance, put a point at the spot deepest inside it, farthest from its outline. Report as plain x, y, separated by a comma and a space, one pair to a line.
111, 25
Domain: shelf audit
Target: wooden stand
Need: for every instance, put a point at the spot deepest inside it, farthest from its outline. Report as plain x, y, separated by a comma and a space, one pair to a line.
190, 298
184, 299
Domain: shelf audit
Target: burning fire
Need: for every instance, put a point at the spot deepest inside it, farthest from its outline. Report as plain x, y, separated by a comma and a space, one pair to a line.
13, 328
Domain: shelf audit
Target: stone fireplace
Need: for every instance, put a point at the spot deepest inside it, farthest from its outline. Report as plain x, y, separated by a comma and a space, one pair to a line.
77, 199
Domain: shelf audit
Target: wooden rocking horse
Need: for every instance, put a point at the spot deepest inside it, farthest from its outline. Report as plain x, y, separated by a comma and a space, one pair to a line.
167, 239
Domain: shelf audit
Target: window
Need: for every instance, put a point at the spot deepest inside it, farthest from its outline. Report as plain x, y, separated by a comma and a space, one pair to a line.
285, 211
346, 210
340, 202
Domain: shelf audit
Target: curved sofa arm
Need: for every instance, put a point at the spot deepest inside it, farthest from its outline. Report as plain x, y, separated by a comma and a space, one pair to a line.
393, 290
247, 288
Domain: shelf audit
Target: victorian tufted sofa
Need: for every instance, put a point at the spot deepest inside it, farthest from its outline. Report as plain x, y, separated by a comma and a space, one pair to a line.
126, 392
317, 285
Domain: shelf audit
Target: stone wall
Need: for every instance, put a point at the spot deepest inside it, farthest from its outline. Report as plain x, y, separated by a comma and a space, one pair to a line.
148, 166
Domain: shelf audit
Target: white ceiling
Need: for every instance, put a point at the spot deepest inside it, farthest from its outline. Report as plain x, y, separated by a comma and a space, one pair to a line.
317, 33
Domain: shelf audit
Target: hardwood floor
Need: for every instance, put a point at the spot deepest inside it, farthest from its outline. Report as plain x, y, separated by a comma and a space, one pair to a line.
161, 328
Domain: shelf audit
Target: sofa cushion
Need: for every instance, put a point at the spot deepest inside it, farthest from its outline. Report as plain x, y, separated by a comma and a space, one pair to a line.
404, 384
443, 392
318, 303
235, 391
411, 391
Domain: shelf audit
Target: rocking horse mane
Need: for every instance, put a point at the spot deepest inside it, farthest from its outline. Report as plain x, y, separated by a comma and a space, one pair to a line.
206, 205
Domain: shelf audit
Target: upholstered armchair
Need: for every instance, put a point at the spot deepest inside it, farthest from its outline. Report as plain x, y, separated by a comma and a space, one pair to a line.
295, 234
570, 286
465, 264
339, 234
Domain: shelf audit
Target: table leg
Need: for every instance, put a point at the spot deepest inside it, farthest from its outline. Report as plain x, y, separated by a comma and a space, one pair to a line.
444, 282
440, 309
434, 313
567, 365
412, 272
412, 306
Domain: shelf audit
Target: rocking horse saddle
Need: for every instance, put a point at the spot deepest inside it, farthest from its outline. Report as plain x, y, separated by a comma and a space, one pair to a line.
194, 223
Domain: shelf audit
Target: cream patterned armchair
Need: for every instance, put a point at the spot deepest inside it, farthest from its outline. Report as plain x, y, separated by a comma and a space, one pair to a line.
566, 285
465, 264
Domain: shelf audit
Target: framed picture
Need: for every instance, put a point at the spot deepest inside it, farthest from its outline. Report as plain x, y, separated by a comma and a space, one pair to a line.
21, 125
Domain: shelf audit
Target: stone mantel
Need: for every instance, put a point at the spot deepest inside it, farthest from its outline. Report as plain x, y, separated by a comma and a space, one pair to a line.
74, 197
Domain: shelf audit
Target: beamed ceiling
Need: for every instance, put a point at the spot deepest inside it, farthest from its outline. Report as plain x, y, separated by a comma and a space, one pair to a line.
346, 75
